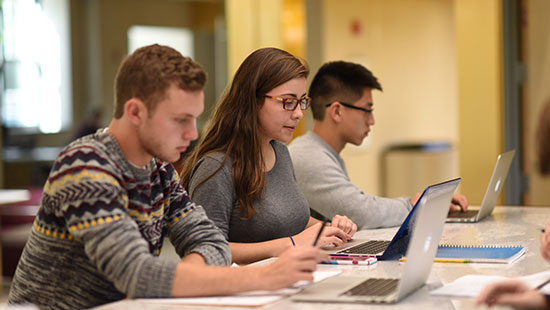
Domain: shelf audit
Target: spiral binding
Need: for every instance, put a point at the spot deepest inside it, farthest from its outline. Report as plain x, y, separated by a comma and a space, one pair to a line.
478, 246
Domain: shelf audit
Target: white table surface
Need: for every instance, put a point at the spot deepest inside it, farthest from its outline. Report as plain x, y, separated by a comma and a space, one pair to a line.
506, 226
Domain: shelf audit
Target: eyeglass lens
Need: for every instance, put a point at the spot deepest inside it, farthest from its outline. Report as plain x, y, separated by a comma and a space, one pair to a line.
290, 104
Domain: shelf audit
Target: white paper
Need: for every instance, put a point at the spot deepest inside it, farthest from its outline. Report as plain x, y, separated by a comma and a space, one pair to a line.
247, 299
472, 285
318, 276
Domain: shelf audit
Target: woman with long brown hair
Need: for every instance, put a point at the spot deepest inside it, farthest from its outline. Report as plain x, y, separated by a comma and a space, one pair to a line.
543, 140
241, 171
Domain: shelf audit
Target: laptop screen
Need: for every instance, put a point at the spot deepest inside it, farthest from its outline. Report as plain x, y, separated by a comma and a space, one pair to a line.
400, 242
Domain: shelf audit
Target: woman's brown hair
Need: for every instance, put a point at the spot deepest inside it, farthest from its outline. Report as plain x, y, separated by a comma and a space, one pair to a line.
233, 128
543, 140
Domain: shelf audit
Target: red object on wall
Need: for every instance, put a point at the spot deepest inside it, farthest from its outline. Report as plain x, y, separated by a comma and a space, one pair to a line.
355, 27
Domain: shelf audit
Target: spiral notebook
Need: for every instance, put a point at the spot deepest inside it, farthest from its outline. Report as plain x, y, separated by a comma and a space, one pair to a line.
478, 253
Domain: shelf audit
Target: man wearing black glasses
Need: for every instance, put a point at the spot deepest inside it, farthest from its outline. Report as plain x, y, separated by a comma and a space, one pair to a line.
342, 106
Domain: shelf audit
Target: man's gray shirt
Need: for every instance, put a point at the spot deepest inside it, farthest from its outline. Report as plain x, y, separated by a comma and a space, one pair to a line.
322, 177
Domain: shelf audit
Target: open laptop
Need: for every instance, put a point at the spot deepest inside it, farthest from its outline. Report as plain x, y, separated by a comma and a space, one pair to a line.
432, 210
500, 172
385, 249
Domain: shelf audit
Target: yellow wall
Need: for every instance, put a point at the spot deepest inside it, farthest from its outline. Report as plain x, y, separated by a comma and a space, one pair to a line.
439, 63
293, 22
538, 90
410, 47
480, 102
251, 24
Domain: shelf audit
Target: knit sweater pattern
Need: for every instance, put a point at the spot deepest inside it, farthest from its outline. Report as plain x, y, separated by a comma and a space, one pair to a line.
101, 226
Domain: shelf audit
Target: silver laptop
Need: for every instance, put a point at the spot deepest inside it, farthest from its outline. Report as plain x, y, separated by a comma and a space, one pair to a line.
433, 206
500, 172
383, 249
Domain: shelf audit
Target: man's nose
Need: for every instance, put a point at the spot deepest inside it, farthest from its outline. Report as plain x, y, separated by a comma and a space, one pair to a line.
191, 133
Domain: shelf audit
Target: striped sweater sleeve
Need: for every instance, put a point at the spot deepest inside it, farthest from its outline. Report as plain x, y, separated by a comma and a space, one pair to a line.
90, 195
191, 231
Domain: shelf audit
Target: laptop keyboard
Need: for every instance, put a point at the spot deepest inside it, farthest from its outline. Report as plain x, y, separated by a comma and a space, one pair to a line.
460, 214
373, 287
372, 247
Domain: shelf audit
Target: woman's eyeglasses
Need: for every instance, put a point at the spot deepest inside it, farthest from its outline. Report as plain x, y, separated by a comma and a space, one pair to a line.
290, 104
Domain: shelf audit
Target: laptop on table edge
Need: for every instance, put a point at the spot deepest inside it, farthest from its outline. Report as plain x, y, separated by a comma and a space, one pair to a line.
500, 172
431, 211
384, 249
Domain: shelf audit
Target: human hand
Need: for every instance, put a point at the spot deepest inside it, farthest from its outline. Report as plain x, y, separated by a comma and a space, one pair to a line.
330, 235
295, 264
415, 198
345, 224
513, 293
459, 202
545, 242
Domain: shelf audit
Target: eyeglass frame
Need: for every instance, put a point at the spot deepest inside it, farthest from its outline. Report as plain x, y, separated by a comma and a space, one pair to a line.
351, 106
293, 101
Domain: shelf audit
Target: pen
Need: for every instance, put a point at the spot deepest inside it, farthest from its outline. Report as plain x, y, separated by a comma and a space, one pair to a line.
348, 262
292, 239
350, 256
319, 234
452, 260
542, 284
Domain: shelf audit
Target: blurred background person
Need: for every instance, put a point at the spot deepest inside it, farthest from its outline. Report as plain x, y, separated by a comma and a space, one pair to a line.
515, 293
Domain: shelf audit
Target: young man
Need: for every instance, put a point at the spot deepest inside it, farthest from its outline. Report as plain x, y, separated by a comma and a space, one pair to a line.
112, 197
342, 106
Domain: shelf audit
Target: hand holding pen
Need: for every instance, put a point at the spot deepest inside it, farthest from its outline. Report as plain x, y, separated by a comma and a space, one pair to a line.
321, 234
514, 293
298, 263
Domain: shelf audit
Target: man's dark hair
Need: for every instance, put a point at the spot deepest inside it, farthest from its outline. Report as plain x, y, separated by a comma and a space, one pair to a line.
339, 80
